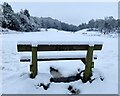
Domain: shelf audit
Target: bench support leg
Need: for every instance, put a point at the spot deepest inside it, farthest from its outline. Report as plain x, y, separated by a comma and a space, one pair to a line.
33, 66
89, 64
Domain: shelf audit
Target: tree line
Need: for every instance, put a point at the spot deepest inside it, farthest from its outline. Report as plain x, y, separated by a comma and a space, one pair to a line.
23, 21
106, 25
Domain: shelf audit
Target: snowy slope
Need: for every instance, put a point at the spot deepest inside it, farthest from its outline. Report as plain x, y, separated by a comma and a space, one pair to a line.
16, 74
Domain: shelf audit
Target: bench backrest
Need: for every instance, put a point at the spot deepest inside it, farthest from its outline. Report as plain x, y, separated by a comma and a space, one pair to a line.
58, 47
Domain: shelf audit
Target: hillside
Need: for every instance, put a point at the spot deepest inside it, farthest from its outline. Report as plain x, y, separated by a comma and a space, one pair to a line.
23, 21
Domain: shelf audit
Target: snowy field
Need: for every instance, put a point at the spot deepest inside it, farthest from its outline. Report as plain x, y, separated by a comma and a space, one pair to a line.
15, 75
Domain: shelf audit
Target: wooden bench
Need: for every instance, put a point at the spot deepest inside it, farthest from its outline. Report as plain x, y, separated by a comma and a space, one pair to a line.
34, 47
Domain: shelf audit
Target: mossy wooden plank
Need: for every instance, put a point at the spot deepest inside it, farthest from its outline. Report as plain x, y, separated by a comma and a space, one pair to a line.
61, 47
98, 47
89, 64
34, 69
57, 47
66, 47
22, 48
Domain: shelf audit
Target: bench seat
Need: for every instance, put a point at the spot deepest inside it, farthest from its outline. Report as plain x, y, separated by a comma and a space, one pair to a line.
55, 57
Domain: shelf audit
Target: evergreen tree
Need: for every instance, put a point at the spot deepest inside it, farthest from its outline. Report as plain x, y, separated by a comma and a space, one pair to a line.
26, 12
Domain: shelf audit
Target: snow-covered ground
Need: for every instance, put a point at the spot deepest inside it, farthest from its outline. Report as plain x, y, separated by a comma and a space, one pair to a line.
15, 75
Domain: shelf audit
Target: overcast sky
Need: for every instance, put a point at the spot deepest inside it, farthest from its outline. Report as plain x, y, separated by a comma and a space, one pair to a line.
72, 13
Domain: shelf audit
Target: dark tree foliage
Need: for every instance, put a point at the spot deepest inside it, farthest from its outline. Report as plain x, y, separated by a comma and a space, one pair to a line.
82, 26
7, 8
91, 23
106, 25
26, 12
118, 21
4, 25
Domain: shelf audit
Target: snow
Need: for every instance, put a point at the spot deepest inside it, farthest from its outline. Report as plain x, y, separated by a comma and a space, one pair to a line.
64, 55
35, 43
15, 75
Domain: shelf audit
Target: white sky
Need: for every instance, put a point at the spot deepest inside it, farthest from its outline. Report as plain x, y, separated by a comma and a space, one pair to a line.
70, 12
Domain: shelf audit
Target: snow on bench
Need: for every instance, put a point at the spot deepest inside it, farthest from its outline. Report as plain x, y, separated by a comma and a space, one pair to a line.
36, 43
56, 57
